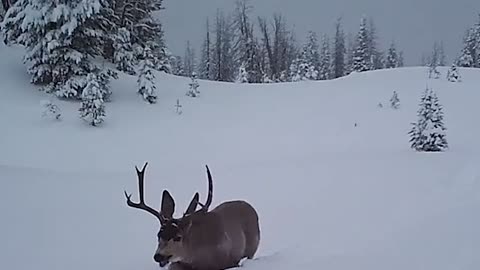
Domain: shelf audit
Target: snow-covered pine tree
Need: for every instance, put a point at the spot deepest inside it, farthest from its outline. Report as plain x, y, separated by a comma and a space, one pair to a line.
2, 11
177, 65
50, 109
124, 56
312, 56
193, 86
395, 101
468, 54
477, 46
301, 70
351, 44
252, 63
92, 109
428, 134
61, 38
146, 77
296, 71
242, 76
453, 74
339, 50
361, 58
375, 55
325, 60
142, 20
392, 57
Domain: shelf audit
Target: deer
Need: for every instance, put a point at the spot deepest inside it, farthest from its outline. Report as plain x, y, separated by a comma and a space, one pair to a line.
201, 239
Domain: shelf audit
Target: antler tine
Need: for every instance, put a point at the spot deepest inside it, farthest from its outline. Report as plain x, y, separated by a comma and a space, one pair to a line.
210, 192
210, 189
141, 204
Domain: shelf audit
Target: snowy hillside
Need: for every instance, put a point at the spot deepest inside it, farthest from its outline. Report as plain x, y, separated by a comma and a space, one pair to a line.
330, 194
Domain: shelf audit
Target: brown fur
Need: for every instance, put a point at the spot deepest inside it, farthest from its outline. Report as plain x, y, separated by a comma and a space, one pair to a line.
203, 239
219, 239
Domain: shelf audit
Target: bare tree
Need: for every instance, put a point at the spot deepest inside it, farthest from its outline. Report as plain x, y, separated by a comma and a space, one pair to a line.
222, 50
279, 46
189, 61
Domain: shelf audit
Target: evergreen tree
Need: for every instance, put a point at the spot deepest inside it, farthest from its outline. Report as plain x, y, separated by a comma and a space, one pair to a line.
92, 109
205, 57
252, 64
395, 101
468, 54
339, 50
392, 57
306, 65
146, 78
6, 4
300, 70
242, 75
124, 55
295, 71
453, 75
312, 56
193, 85
477, 46
61, 39
140, 18
325, 60
177, 65
360, 55
428, 133
374, 54
351, 44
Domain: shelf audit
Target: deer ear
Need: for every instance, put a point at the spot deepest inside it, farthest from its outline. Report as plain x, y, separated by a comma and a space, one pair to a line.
168, 205
193, 204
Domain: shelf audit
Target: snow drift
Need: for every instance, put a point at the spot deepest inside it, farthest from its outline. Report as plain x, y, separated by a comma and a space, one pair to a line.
331, 174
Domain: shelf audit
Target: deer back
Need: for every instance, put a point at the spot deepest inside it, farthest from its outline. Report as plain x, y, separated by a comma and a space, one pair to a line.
222, 237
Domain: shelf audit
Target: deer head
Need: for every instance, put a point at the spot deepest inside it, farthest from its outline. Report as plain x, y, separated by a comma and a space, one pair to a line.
172, 230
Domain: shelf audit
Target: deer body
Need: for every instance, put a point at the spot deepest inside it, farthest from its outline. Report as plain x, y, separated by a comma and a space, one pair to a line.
203, 239
222, 237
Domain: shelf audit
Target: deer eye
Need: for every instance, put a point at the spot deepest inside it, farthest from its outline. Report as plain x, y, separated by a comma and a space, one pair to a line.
177, 238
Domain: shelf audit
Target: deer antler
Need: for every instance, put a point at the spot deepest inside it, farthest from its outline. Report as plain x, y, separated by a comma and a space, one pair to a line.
141, 205
210, 193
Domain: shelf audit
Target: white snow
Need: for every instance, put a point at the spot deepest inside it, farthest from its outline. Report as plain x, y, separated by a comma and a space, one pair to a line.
330, 195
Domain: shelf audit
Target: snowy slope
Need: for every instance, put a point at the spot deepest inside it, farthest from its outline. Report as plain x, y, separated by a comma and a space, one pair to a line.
330, 195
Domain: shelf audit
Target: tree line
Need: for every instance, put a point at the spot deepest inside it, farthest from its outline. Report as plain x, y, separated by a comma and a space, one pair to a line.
239, 48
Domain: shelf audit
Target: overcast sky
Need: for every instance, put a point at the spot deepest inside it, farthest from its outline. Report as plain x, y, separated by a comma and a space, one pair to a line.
414, 24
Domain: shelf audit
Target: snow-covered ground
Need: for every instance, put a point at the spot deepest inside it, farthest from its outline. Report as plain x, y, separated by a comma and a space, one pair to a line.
330, 195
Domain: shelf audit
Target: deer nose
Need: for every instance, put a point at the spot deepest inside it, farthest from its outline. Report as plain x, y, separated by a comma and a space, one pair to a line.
162, 260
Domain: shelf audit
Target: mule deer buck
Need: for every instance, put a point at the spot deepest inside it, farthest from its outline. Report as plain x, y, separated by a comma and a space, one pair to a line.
202, 239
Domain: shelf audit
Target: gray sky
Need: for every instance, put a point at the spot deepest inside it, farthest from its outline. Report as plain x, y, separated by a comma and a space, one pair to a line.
414, 24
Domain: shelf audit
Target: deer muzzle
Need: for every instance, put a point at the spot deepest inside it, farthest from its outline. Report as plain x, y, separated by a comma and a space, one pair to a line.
161, 259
